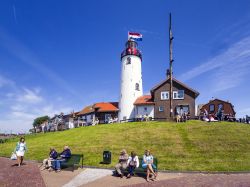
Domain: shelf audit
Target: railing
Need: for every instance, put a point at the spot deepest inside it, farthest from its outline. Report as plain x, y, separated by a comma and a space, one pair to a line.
131, 52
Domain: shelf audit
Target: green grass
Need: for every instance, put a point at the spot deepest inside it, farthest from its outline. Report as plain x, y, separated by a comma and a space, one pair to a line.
191, 146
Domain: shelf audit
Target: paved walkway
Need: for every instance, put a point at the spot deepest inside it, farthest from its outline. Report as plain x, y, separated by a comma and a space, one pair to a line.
29, 175
87, 176
202, 180
25, 175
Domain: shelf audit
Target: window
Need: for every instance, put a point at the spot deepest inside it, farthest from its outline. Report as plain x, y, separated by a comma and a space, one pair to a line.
181, 109
220, 106
178, 94
145, 109
211, 108
161, 108
137, 86
107, 117
164, 95
128, 60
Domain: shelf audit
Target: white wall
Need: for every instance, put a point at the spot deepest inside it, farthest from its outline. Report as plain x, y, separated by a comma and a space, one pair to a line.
140, 110
130, 75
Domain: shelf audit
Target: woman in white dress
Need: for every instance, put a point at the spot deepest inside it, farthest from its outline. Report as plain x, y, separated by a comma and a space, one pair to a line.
20, 150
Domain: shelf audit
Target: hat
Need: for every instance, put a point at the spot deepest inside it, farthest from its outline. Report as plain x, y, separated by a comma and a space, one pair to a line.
123, 151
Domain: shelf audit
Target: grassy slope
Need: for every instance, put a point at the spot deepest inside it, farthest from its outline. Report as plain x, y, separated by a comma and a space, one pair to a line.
194, 145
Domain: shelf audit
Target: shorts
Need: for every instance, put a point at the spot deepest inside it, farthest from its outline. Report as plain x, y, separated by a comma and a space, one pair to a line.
144, 166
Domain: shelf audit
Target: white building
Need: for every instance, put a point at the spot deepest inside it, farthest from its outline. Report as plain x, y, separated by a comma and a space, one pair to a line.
144, 107
131, 80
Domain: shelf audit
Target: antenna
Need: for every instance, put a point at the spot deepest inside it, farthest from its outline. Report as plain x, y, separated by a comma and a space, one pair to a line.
170, 66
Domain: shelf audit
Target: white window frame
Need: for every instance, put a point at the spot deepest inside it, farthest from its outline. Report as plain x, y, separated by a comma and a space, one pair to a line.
177, 94
161, 110
166, 95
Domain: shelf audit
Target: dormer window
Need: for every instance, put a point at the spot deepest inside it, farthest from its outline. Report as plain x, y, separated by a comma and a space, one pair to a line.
137, 86
128, 60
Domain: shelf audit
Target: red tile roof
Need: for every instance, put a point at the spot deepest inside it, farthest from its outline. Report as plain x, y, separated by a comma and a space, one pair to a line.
86, 110
144, 100
106, 107
100, 107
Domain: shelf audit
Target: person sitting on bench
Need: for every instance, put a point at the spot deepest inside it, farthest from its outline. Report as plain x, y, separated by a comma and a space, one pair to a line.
133, 162
148, 163
47, 162
64, 156
122, 164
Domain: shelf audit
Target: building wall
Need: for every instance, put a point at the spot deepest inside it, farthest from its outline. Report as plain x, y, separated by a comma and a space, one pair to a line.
227, 107
130, 75
189, 99
140, 110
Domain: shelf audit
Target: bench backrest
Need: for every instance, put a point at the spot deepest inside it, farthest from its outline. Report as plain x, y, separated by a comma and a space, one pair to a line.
75, 158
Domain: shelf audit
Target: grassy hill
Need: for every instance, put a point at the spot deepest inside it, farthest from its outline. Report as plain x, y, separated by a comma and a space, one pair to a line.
195, 145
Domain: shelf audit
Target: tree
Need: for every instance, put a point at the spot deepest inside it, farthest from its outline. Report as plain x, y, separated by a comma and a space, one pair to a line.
38, 121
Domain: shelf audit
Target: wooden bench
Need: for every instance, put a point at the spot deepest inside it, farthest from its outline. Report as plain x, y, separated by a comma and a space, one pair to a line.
73, 161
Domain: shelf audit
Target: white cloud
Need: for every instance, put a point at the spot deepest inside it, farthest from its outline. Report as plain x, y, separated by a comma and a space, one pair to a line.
27, 56
30, 96
23, 105
228, 69
23, 115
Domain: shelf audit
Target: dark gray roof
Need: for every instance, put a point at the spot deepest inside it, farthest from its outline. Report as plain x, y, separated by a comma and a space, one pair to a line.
178, 82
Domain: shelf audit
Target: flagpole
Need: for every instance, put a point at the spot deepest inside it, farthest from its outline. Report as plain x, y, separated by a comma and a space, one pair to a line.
170, 67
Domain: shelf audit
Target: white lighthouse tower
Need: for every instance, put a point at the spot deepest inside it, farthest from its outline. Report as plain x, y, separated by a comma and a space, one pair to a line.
131, 80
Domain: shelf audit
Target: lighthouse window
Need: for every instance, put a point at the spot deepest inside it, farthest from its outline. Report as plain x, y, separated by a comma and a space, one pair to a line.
128, 60
137, 87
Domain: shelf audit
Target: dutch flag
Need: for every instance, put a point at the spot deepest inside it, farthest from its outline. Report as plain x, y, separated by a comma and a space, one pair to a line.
134, 36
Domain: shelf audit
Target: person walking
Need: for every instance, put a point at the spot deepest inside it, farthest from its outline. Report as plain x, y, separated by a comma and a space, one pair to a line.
20, 150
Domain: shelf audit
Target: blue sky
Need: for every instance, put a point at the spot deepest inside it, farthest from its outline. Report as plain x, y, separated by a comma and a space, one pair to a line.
63, 55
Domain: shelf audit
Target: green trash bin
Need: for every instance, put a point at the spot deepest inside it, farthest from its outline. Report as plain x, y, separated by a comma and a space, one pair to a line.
106, 157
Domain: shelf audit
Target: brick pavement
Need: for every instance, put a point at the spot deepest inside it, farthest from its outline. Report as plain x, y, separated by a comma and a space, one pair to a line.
27, 175
201, 180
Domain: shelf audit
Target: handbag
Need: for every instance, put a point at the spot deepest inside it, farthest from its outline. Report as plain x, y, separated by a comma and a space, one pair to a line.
13, 156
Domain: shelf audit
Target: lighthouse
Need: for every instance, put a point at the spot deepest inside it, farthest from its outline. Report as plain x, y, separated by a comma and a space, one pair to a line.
131, 80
